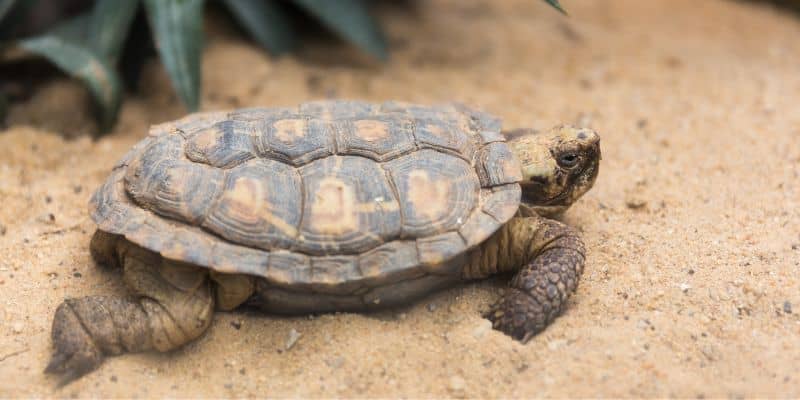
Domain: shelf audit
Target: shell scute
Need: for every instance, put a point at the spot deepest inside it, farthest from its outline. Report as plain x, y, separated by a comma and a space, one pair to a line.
296, 140
379, 137
223, 145
437, 191
349, 206
257, 205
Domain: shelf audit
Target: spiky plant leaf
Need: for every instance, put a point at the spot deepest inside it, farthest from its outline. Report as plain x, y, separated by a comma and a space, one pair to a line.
266, 21
110, 23
556, 5
177, 30
5, 8
12, 14
351, 20
83, 63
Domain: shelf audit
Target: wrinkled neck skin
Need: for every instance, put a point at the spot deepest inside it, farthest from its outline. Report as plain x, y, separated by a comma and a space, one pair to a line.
513, 245
554, 212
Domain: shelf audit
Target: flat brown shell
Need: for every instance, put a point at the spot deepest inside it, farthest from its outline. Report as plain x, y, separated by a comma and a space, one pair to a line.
333, 196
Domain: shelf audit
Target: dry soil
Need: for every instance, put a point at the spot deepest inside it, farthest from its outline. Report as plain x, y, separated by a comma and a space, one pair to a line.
692, 286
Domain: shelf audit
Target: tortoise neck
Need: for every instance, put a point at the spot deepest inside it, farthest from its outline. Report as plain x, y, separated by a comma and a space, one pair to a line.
511, 247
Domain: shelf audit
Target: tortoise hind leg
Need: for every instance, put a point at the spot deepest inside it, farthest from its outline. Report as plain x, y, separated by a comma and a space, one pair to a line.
104, 248
173, 305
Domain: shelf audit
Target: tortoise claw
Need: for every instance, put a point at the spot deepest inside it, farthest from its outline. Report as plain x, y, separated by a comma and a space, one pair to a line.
519, 315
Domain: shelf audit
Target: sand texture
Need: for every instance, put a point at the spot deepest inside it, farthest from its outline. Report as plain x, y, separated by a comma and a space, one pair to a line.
692, 286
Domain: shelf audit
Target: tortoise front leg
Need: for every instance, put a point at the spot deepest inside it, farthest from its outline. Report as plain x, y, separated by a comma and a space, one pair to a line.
173, 304
552, 257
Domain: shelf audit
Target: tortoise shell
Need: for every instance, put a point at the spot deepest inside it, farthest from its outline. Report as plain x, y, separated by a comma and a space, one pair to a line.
331, 195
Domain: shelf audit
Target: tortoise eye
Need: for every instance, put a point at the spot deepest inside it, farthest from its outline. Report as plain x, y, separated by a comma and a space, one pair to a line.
568, 160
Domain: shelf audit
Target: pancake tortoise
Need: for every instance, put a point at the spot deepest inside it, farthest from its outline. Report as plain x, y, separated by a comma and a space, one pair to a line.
328, 206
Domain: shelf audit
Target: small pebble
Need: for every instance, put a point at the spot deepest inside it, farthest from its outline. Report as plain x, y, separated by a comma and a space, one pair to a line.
236, 325
431, 307
2, 230
685, 287
17, 327
484, 326
294, 336
113, 378
635, 203
457, 384
787, 307
77, 274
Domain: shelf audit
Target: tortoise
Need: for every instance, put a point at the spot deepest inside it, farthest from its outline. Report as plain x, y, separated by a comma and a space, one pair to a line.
328, 206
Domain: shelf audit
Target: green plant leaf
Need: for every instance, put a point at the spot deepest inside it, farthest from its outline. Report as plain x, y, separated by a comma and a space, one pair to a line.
351, 20
177, 31
12, 14
556, 5
109, 26
5, 8
81, 62
266, 22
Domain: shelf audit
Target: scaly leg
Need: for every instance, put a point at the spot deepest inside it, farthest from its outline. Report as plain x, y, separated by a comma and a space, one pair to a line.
553, 259
173, 305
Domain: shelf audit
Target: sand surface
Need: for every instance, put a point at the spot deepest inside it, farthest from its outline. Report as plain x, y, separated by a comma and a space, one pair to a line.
692, 286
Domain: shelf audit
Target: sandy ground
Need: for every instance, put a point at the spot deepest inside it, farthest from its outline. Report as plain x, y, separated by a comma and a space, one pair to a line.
693, 281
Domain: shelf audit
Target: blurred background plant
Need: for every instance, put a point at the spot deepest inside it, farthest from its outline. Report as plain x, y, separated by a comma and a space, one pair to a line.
104, 43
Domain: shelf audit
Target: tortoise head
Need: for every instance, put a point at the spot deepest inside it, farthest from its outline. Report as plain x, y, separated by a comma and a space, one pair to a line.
558, 166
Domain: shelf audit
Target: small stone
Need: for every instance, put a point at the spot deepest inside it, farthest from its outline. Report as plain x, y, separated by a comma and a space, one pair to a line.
457, 384
294, 336
113, 378
77, 189
236, 325
787, 307
431, 307
484, 326
635, 203
2, 230
556, 344
77, 274
17, 327
685, 287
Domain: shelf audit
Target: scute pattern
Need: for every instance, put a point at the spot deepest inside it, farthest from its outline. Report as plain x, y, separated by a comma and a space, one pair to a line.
257, 205
437, 191
379, 138
334, 197
349, 207
224, 145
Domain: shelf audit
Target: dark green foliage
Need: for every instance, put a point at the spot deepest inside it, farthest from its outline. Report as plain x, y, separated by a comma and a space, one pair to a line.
266, 21
86, 47
89, 46
556, 5
84, 64
177, 30
351, 20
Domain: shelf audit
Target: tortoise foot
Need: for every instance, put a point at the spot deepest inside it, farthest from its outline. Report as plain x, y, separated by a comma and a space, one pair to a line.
519, 315
75, 352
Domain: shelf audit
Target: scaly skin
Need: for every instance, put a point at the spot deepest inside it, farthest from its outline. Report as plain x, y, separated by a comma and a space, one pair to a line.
551, 257
172, 305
